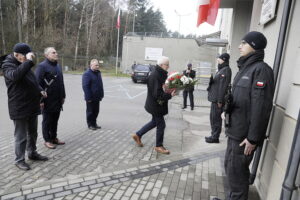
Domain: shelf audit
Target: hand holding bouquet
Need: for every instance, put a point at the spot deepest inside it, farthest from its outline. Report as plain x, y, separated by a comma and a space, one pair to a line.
177, 81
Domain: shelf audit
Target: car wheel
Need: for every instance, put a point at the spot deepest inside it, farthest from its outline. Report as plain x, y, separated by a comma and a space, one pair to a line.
134, 80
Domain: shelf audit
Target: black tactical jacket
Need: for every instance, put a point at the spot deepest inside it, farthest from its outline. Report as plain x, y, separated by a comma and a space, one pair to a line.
252, 91
219, 84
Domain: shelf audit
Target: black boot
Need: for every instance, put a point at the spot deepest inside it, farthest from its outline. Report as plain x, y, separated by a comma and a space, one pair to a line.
23, 165
37, 157
211, 140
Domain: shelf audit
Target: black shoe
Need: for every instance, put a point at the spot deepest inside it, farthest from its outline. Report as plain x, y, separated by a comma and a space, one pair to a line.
183, 107
192, 108
37, 157
23, 165
212, 140
93, 128
98, 127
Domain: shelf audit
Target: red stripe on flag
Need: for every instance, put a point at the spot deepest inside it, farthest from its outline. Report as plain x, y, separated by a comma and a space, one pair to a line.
118, 25
208, 12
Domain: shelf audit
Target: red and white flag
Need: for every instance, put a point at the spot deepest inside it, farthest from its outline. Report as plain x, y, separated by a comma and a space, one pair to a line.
118, 20
207, 11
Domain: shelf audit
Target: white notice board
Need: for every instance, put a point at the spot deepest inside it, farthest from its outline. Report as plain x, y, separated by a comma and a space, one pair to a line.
267, 11
153, 53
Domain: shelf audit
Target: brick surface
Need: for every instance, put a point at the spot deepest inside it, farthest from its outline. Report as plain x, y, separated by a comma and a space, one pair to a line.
106, 164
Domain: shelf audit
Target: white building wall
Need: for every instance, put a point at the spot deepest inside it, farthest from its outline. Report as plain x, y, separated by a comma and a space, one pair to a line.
180, 52
275, 155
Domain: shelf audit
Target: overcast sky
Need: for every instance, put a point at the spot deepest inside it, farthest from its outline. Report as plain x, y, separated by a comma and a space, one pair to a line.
188, 10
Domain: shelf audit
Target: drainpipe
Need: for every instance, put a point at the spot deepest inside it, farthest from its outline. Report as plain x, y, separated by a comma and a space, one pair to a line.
276, 69
289, 185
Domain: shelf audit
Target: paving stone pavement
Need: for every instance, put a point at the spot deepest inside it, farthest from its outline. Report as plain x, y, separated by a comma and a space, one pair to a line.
106, 164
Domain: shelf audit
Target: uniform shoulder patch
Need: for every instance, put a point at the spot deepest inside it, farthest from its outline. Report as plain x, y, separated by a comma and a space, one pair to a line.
222, 75
260, 84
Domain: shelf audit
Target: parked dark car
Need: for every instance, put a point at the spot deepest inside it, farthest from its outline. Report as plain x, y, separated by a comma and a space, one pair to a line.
141, 72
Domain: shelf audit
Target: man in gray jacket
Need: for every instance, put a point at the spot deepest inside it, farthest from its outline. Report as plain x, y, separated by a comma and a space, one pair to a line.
216, 93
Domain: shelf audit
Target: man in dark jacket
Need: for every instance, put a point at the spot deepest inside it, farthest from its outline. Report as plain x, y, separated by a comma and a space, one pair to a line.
24, 96
50, 78
216, 93
157, 105
252, 92
190, 90
93, 93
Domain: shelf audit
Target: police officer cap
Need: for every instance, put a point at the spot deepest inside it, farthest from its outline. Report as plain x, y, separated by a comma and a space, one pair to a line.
256, 40
225, 57
189, 65
22, 48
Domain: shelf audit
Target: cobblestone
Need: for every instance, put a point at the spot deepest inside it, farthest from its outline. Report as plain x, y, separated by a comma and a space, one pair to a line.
106, 164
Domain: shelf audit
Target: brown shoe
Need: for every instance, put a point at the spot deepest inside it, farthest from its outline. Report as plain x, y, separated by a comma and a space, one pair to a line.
161, 150
49, 145
58, 142
137, 140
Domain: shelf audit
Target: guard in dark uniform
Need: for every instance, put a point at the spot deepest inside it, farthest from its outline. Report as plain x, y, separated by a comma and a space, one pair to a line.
252, 95
190, 90
216, 93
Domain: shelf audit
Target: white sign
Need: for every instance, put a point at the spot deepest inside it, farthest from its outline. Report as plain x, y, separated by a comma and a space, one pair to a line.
153, 53
267, 11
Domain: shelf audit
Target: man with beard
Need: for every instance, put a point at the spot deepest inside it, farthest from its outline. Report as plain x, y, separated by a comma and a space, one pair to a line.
216, 95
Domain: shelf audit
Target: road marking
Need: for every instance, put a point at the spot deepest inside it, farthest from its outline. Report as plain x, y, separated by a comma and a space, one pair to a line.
125, 90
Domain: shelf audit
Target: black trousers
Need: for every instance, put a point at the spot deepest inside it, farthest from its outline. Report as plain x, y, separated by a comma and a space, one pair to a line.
189, 93
237, 170
215, 120
49, 125
160, 124
92, 111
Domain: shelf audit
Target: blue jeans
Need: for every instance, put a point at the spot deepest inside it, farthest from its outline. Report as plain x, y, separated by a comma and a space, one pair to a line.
160, 124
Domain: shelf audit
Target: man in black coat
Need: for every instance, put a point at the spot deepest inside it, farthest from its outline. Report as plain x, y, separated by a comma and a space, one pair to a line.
216, 95
93, 93
252, 92
50, 78
24, 96
157, 105
190, 90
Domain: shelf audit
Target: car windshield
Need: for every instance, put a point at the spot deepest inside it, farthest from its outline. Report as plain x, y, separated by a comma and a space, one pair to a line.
142, 68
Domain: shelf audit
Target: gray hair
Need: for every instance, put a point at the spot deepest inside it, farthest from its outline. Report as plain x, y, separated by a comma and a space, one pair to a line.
47, 50
163, 60
94, 61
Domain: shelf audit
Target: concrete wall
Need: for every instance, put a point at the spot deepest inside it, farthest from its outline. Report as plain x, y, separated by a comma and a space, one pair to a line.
276, 152
241, 23
180, 52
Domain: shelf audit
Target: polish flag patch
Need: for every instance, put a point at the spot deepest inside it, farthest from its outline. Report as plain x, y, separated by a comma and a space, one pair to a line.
260, 84
222, 75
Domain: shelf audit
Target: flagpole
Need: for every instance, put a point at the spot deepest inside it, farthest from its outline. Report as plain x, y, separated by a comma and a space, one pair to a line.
117, 56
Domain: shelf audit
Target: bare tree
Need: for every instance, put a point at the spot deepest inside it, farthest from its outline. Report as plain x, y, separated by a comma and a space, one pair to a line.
2, 30
25, 20
19, 19
78, 33
90, 33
